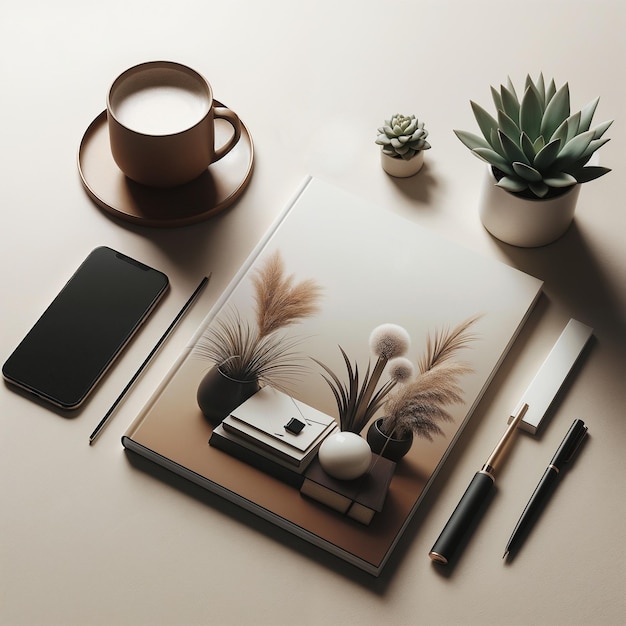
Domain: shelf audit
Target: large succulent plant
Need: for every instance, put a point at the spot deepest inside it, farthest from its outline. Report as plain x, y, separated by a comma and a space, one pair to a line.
538, 147
402, 136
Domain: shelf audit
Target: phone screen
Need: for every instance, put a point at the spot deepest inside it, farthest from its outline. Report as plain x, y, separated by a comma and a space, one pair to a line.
79, 335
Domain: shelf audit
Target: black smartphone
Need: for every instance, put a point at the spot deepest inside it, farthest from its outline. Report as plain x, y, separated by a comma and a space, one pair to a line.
87, 325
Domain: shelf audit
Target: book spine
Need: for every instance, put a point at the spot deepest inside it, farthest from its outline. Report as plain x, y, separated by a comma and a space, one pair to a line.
156, 394
261, 444
248, 263
239, 276
325, 496
136, 448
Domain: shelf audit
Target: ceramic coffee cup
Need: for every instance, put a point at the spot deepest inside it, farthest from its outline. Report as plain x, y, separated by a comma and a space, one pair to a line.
161, 118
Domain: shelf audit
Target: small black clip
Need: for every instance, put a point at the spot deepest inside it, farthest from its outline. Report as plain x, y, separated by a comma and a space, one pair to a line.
294, 426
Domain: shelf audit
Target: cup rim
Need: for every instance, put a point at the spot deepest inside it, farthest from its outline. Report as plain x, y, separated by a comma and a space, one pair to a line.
154, 64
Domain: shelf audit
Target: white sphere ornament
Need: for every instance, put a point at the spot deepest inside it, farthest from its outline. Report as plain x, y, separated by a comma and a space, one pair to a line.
345, 455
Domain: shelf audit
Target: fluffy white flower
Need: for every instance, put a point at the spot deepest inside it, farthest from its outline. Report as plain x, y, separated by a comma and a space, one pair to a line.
389, 340
401, 369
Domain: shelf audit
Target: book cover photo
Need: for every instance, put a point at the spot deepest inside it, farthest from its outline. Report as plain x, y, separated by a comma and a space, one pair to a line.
349, 268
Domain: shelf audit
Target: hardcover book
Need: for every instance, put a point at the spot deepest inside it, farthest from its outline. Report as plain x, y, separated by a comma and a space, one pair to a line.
257, 457
373, 267
361, 498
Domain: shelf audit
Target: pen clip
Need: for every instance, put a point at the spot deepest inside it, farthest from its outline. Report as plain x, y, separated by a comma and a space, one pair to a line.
577, 443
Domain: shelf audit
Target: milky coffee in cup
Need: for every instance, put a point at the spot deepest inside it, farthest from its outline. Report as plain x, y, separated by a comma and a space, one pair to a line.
161, 118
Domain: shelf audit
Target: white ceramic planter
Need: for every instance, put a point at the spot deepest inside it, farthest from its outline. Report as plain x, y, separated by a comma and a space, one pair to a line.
525, 222
395, 166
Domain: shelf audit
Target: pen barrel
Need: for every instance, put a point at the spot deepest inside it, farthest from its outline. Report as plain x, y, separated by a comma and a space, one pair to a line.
461, 522
533, 509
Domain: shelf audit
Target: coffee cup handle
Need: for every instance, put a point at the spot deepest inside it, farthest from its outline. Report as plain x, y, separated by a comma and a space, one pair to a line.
231, 117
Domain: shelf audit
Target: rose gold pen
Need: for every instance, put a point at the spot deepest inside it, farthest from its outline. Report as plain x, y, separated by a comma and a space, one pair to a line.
474, 498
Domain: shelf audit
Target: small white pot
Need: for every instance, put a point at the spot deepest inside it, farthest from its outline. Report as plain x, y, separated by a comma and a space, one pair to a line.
525, 222
345, 455
398, 167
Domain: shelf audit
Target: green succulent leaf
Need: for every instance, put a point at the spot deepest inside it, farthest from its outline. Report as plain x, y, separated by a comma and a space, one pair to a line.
411, 127
528, 82
511, 87
497, 98
496, 143
560, 180
574, 166
586, 115
547, 155
560, 132
585, 174
531, 148
510, 103
594, 145
492, 157
512, 151
486, 122
574, 149
550, 91
512, 184
539, 143
539, 93
508, 126
541, 89
600, 129
540, 189
557, 110
527, 172
471, 140
573, 123
531, 113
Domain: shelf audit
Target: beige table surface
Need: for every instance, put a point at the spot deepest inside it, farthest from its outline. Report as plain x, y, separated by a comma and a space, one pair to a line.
86, 538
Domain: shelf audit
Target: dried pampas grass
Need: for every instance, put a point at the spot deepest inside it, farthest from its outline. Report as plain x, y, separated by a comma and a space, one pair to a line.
280, 303
420, 406
246, 352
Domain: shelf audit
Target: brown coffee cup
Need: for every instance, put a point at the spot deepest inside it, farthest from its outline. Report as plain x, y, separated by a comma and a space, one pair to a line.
161, 118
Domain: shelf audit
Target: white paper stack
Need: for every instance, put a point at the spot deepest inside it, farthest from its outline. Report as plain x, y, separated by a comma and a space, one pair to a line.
261, 422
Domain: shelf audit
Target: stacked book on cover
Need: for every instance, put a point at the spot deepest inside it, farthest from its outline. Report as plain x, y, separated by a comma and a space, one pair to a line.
359, 499
275, 433
281, 436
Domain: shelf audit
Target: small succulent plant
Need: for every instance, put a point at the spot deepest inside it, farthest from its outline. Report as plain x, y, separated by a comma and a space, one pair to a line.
402, 137
537, 145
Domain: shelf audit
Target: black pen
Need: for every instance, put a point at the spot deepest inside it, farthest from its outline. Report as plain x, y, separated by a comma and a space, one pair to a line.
548, 481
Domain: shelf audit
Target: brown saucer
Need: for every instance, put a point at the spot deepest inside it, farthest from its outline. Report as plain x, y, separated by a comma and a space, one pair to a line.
222, 183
